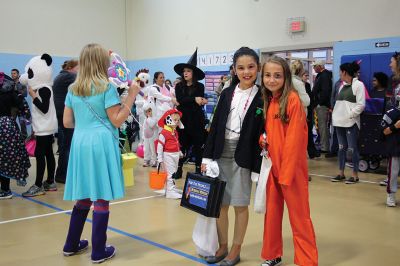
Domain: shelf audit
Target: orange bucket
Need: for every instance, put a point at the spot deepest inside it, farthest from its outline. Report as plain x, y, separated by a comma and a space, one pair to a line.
157, 179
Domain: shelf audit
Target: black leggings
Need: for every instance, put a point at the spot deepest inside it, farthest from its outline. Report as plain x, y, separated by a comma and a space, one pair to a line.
43, 154
5, 183
196, 142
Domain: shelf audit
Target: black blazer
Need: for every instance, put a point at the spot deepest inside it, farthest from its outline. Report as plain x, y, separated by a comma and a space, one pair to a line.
247, 153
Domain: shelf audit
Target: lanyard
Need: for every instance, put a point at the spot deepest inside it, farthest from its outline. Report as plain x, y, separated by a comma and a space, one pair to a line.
245, 105
240, 115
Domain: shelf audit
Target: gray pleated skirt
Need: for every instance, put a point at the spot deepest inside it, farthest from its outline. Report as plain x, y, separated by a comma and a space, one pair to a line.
238, 179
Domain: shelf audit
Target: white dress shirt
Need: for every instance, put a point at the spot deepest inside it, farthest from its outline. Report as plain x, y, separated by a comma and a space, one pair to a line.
241, 102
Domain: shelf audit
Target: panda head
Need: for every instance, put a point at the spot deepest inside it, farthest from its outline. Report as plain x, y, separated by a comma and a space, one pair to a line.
38, 72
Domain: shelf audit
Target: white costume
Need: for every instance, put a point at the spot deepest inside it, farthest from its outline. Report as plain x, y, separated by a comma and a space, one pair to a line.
162, 102
139, 102
150, 130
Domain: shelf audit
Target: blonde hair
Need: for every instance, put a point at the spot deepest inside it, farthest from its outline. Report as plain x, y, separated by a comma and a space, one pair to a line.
94, 61
286, 88
297, 68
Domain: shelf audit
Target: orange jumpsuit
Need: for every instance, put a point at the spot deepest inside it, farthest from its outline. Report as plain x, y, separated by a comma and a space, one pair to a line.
288, 181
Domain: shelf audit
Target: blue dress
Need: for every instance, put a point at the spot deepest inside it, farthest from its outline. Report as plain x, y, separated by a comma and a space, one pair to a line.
94, 166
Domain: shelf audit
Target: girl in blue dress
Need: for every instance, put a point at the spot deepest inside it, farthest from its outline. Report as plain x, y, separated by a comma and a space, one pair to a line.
94, 175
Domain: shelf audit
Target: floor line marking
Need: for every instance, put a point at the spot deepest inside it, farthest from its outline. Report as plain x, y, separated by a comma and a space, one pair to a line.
59, 211
135, 237
361, 181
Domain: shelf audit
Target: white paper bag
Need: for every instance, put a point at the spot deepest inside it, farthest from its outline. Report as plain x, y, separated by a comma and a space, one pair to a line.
261, 190
205, 236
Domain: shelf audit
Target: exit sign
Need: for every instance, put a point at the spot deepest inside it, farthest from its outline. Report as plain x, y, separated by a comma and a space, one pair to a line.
382, 44
297, 26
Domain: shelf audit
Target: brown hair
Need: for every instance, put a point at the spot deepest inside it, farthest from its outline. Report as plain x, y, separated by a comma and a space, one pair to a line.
69, 64
286, 89
396, 57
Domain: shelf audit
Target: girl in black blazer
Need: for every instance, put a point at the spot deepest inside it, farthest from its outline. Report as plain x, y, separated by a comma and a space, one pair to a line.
233, 142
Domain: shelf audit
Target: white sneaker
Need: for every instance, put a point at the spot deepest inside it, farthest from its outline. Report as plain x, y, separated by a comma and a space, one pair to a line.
391, 200
172, 194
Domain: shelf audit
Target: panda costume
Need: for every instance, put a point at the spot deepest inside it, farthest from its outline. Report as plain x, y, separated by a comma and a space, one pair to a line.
38, 77
168, 151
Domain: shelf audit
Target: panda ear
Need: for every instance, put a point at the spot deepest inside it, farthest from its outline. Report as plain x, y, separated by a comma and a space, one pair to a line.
47, 58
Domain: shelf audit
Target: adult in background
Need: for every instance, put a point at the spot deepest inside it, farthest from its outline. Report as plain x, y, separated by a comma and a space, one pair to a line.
176, 81
228, 82
22, 90
312, 151
14, 160
350, 103
297, 70
220, 87
322, 93
380, 82
61, 83
334, 145
168, 83
157, 91
190, 96
44, 121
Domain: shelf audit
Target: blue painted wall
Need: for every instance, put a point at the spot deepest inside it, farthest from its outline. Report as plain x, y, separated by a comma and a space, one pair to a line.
18, 61
361, 47
166, 65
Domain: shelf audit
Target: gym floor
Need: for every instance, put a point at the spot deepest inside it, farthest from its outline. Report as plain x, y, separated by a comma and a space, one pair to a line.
352, 223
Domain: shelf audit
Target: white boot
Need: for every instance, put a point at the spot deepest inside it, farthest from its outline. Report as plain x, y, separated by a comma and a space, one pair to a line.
171, 190
391, 200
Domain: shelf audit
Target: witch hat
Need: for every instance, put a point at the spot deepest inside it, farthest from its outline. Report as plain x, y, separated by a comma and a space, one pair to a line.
192, 64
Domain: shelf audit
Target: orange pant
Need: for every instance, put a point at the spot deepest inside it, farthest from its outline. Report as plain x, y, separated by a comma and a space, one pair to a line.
296, 198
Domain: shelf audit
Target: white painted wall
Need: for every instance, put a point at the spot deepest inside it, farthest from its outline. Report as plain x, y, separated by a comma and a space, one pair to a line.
61, 27
164, 28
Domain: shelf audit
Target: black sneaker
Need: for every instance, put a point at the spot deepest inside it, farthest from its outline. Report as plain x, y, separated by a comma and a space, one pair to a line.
177, 174
352, 180
274, 262
5, 194
338, 178
49, 186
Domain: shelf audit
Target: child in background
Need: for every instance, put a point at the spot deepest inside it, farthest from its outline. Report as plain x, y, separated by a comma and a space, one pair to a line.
391, 125
233, 143
168, 149
392, 145
150, 130
286, 128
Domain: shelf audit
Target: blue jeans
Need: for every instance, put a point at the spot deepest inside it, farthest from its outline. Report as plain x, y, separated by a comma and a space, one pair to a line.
348, 140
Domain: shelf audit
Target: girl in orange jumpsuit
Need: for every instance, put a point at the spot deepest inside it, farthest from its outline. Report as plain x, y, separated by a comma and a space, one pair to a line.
286, 141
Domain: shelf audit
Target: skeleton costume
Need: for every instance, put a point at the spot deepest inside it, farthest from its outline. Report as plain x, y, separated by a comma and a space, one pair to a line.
168, 151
